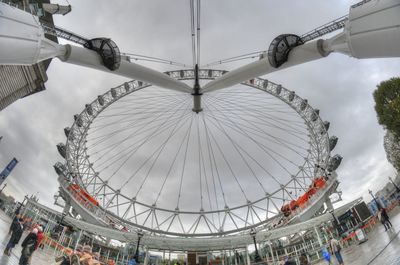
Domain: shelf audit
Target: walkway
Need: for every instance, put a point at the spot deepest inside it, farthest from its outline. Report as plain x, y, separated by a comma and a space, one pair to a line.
382, 248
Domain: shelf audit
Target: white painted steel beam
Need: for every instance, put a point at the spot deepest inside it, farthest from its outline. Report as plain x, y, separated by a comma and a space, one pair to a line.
22, 42
305, 53
372, 31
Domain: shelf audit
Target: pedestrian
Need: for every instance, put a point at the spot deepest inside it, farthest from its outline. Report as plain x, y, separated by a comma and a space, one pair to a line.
289, 261
28, 246
336, 248
385, 217
303, 259
16, 235
87, 256
326, 255
14, 221
40, 237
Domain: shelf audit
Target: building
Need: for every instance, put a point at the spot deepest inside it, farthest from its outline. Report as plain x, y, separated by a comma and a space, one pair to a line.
20, 81
386, 196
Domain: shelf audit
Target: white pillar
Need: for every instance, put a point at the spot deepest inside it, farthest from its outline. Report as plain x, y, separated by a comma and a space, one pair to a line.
146, 257
79, 239
247, 255
163, 257
272, 253
318, 236
235, 257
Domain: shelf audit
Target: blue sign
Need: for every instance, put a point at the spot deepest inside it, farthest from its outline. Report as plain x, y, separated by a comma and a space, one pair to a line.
132, 262
4, 174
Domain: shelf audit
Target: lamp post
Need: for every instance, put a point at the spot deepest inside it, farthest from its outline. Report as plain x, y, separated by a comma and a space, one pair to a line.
377, 203
5, 184
397, 187
60, 224
335, 220
136, 256
257, 257
20, 206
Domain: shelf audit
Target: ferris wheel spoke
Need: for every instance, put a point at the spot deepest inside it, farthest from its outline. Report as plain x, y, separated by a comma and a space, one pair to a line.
263, 116
172, 165
267, 150
260, 133
142, 128
184, 164
136, 105
235, 145
228, 164
139, 132
154, 132
199, 161
132, 117
157, 150
251, 105
213, 164
253, 127
128, 151
238, 105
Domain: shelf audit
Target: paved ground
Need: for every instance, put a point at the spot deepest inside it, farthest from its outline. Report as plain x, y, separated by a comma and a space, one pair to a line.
382, 248
40, 257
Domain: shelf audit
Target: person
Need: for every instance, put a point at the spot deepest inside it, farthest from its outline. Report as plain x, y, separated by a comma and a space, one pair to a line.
17, 229
28, 246
289, 261
87, 257
385, 217
303, 259
326, 255
13, 223
336, 248
382, 219
40, 237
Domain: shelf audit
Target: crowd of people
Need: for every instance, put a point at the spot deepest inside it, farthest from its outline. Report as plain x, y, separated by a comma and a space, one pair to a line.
84, 255
31, 241
35, 239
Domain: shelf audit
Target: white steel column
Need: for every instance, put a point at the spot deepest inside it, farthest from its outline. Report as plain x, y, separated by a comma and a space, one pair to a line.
79, 239
272, 253
247, 255
146, 257
318, 236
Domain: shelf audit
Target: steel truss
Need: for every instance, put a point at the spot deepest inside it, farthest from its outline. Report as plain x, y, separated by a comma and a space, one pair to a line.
154, 242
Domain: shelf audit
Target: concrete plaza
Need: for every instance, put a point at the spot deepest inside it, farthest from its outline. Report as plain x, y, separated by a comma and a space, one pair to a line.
382, 247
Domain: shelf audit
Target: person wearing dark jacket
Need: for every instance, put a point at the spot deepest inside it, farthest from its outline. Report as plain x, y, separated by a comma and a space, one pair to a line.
16, 230
13, 223
28, 246
385, 217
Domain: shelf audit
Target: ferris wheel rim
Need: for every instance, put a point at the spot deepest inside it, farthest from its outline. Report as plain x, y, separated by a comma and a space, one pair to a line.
206, 74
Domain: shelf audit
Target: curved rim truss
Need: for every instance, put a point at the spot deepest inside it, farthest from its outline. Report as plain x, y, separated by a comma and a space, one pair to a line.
128, 209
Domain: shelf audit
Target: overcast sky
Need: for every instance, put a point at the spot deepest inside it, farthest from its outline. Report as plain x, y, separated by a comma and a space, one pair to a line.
341, 87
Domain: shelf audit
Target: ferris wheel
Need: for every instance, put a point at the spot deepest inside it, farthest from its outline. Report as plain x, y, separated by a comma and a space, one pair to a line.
168, 169
200, 152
